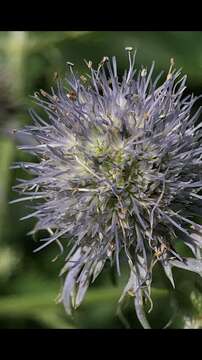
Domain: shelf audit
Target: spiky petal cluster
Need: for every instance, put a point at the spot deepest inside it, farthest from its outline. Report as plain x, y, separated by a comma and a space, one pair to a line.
119, 172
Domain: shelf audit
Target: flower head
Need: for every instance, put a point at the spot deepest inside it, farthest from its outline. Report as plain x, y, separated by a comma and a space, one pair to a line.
119, 174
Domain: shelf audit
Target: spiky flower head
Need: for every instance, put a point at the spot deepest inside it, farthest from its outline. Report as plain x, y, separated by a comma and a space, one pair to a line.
119, 173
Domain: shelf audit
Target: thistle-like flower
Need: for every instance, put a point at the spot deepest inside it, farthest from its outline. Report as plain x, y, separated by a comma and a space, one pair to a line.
119, 174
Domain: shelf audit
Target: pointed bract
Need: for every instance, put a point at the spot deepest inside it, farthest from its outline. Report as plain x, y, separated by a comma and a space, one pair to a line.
118, 172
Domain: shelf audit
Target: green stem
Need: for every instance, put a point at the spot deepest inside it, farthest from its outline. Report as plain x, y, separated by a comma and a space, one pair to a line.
17, 304
15, 53
6, 150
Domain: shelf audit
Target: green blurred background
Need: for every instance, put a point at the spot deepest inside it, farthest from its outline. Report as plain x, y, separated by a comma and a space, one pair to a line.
29, 283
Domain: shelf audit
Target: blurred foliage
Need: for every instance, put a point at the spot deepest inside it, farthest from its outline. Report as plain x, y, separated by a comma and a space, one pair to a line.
29, 283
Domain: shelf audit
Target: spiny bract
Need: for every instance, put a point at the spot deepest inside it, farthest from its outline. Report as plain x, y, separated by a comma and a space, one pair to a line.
119, 172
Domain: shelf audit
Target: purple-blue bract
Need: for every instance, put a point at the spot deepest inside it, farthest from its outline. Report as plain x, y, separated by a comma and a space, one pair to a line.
118, 174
